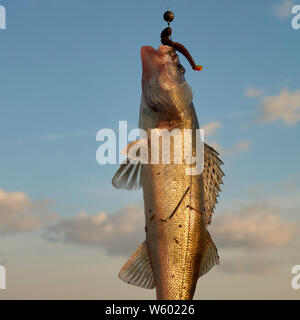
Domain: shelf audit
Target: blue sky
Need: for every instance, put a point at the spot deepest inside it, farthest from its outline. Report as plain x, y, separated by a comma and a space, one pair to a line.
69, 68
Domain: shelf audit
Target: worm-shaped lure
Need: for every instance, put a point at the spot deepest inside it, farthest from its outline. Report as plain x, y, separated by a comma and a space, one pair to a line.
165, 40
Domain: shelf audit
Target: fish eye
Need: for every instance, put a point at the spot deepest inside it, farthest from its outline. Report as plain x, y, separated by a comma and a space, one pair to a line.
181, 68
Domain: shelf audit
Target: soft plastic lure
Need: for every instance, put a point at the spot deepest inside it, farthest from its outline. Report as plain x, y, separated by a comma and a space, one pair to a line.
165, 40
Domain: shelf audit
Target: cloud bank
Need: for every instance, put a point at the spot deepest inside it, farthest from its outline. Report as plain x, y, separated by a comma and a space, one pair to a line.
248, 233
254, 227
118, 233
253, 93
285, 107
211, 128
282, 10
16, 212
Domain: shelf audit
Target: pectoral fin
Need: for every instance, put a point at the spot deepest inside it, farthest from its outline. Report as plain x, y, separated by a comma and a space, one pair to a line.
137, 270
129, 176
210, 255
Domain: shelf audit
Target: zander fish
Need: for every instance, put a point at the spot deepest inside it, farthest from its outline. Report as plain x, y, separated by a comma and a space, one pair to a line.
178, 207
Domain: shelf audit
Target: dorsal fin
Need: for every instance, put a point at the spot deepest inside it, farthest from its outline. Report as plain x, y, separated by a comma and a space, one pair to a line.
212, 176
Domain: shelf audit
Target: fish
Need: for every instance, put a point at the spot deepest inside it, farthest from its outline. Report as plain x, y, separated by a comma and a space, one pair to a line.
178, 207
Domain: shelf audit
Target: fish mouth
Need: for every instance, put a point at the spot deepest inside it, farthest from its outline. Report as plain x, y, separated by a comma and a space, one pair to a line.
151, 63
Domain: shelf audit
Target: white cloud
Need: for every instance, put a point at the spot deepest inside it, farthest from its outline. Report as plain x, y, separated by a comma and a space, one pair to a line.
118, 233
239, 147
285, 107
282, 10
12, 202
254, 227
253, 93
19, 213
211, 128
231, 151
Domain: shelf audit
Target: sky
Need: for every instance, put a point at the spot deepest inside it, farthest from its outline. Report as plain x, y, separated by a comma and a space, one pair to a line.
70, 68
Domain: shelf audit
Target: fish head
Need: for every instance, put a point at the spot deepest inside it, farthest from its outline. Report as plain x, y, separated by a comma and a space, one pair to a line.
165, 92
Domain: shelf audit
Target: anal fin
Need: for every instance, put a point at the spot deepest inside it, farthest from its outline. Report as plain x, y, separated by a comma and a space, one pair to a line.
210, 255
137, 270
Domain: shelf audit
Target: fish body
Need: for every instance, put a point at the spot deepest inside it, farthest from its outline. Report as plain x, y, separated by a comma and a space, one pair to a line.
175, 229
178, 206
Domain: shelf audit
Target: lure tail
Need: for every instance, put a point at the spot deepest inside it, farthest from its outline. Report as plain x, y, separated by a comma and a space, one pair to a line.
165, 40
